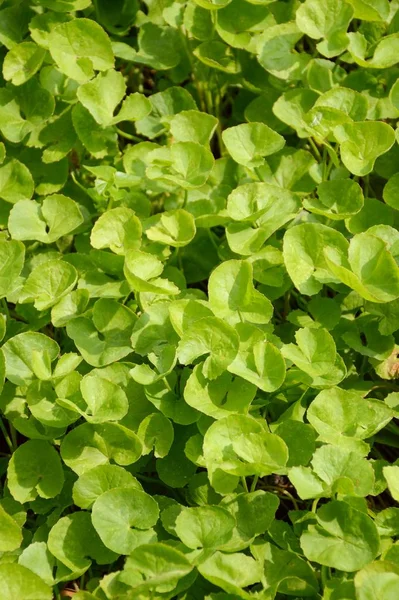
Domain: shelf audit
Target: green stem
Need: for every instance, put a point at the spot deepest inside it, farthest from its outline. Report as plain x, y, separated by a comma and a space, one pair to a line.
315, 149
314, 505
13, 433
214, 244
254, 483
366, 186
6, 436
147, 479
244, 484
283, 493
166, 382
128, 136
325, 169
5, 307
76, 182
258, 174
325, 575
388, 438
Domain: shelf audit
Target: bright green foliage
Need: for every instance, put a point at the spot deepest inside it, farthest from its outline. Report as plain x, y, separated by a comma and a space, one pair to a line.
199, 299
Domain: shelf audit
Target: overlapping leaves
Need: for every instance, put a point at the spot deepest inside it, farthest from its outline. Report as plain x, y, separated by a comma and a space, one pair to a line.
199, 291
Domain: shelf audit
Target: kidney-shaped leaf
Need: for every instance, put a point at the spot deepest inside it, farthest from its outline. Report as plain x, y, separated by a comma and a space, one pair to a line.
17, 581
35, 469
250, 142
123, 518
212, 336
80, 46
344, 538
204, 526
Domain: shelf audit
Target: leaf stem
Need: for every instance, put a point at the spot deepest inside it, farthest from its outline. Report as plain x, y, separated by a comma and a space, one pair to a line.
325, 575
314, 505
315, 149
214, 244
281, 493
244, 484
128, 136
13, 433
6, 436
166, 382
5, 307
254, 483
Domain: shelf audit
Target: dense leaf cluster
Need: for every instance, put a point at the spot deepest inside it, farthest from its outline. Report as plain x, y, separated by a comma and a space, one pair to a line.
199, 290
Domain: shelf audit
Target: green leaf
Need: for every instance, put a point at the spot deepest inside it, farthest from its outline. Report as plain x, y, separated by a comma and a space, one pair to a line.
175, 228
79, 47
187, 164
284, 571
105, 400
369, 268
70, 306
326, 19
193, 126
204, 526
88, 446
304, 250
123, 518
19, 582
73, 539
98, 140
343, 538
158, 46
48, 283
118, 229
157, 567
238, 446
35, 470
232, 295
315, 355
254, 513
248, 143
12, 256
348, 101
231, 572
258, 209
342, 417
156, 432
391, 474
209, 336
257, 360
390, 192
218, 397
102, 95
218, 55
98, 480
23, 109
105, 338
362, 143
38, 559
300, 439
378, 10
22, 62
337, 199
21, 352
57, 216
16, 182
10, 532
117, 17
377, 581
345, 472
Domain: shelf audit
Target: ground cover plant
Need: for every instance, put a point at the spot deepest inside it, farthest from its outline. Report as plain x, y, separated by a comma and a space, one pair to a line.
199, 290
